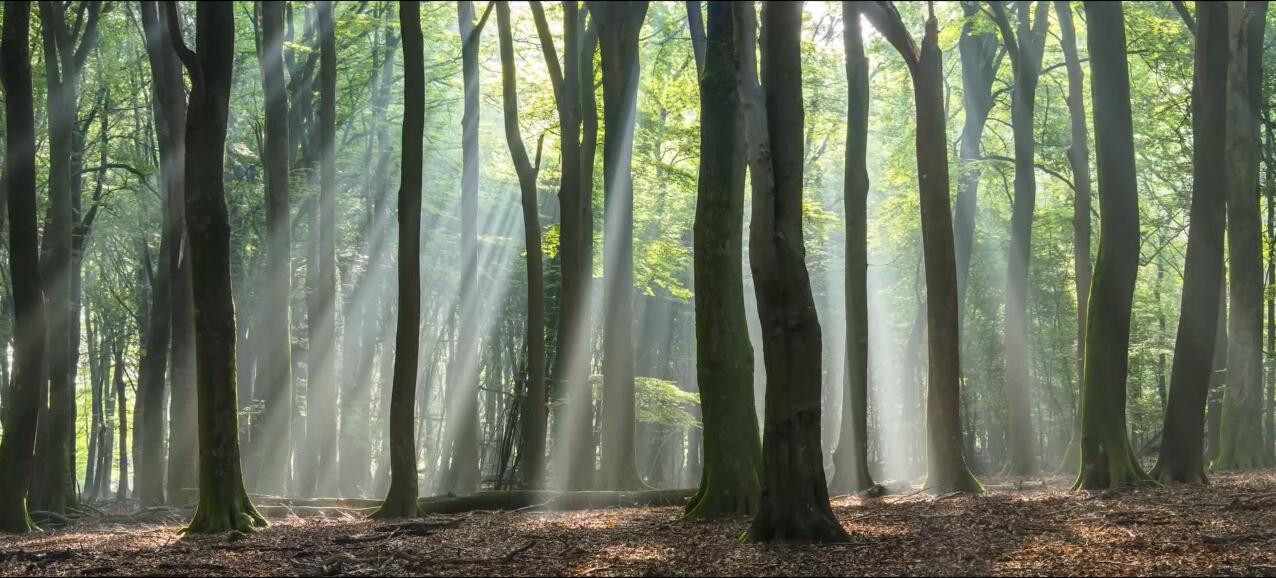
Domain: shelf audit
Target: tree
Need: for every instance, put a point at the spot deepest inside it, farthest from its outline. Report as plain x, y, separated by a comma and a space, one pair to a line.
730, 480
618, 26
1079, 161
54, 486
576, 215
460, 471
946, 469
401, 500
1025, 52
793, 504
1241, 437
1106, 458
537, 404
1182, 446
850, 461
223, 502
274, 364
17, 447
121, 492
979, 62
321, 365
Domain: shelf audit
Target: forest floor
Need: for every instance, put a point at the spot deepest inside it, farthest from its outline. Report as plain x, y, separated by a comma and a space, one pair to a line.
1033, 527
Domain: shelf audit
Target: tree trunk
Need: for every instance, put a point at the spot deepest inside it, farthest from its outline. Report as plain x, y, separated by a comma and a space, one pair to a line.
979, 61
618, 26
151, 384
461, 470
1106, 458
121, 492
850, 461
946, 469
22, 401
1182, 442
1079, 161
401, 500
536, 405
273, 427
730, 480
223, 502
1025, 50
1241, 437
793, 504
568, 373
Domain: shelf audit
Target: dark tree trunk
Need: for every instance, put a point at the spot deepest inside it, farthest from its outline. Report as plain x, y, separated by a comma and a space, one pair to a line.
223, 502
22, 401
401, 500
1182, 445
618, 26
699, 41
1106, 458
1241, 437
536, 405
1025, 49
730, 480
850, 461
273, 428
946, 469
794, 504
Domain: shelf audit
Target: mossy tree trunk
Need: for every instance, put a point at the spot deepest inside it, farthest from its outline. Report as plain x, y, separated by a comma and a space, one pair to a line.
223, 501
850, 461
618, 26
793, 504
1241, 435
729, 480
1106, 458
17, 447
946, 469
401, 500
1182, 447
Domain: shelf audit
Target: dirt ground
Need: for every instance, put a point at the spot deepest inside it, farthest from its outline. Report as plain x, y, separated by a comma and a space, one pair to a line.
1018, 527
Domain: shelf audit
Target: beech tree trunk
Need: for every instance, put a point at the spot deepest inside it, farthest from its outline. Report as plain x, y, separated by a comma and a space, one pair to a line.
1183, 435
223, 501
273, 427
17, 447
618, 26
401, 499
850, 461
1079, 161
793, 504
536, 405
730, 480
1106, 458
1025, 49
1241, 437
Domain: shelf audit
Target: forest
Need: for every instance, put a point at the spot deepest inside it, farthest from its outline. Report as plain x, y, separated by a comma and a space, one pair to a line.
637, 288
